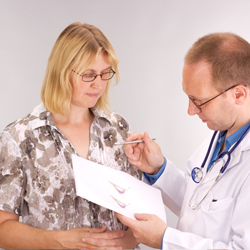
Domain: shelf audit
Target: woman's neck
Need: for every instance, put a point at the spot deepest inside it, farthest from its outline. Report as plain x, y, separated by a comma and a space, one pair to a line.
76, 116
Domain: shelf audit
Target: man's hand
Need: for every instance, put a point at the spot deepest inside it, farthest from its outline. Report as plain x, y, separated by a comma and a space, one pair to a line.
148, 229
145, 156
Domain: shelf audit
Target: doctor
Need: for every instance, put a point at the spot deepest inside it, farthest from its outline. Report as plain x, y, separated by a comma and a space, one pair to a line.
212, 197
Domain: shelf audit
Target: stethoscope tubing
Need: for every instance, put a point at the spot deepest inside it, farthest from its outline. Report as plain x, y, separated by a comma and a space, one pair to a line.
222, 170
228, 153
209, 149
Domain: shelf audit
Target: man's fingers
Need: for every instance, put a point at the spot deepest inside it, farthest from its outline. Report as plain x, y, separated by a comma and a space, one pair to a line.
142, 217
133, 153
132, 224
134, 137
135, 163
129, 149
149, 143
121, 218
125, 220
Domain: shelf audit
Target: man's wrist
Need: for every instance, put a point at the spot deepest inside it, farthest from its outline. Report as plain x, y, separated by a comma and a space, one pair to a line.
152, 178
159, 168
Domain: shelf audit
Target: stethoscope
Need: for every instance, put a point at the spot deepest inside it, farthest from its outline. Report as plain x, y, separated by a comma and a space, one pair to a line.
197, 173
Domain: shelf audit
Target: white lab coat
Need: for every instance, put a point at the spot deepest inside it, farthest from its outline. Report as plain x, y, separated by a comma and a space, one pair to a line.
221, 224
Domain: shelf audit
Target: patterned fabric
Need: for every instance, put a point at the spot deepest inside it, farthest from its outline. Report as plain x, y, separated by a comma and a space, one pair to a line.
36, 175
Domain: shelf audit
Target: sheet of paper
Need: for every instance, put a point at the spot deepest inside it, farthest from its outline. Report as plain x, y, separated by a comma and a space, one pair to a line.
116, 190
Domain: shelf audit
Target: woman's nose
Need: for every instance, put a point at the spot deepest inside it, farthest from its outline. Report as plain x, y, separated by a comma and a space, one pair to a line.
98, 82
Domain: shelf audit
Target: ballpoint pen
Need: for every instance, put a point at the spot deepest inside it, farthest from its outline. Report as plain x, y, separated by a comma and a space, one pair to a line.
128, 142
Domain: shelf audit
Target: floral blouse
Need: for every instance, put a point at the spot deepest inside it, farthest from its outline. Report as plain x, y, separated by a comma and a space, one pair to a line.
36, 174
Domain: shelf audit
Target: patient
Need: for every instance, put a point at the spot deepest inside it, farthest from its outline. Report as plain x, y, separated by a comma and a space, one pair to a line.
36, 175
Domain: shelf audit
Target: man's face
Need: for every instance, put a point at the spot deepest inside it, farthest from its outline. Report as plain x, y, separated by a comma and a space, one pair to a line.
197, 83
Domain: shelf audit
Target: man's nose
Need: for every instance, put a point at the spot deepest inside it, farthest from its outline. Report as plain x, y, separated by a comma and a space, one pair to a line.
193, 109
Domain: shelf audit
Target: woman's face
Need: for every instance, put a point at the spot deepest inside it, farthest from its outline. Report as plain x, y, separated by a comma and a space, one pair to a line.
86, 94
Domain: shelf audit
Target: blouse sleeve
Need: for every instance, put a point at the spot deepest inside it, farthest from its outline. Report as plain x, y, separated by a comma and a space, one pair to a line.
11, 175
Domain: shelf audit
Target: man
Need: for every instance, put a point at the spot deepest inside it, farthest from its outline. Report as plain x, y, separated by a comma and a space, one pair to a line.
213, 200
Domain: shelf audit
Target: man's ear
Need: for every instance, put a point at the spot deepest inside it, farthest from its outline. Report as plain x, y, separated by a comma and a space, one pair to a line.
240, 93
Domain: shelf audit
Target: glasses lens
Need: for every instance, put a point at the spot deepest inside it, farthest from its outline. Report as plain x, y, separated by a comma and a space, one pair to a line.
108, 75
193, 101
88, 77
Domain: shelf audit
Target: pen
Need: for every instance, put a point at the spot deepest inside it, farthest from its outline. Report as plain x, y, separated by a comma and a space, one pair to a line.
128, 142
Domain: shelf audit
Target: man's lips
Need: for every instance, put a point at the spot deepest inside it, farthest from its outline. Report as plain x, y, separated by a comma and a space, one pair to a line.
204, 120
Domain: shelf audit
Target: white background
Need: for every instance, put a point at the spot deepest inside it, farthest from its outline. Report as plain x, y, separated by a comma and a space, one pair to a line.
150, 37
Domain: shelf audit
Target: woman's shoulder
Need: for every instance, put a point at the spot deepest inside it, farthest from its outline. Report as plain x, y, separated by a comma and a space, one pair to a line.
28, 122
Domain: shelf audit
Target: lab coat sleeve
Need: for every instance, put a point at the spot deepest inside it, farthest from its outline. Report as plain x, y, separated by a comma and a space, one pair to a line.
239, 229
172, 184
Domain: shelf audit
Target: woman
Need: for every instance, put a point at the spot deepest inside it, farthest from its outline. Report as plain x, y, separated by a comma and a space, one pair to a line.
36, 175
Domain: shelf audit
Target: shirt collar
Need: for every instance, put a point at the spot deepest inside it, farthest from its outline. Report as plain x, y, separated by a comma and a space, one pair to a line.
41, 117
233, 138
98, 113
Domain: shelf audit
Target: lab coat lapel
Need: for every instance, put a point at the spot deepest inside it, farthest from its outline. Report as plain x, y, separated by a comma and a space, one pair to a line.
187, 219
213, 174
188, 215
237, 153
235, 158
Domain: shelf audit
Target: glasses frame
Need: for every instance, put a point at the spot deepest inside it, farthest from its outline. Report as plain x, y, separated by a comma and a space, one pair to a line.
95, 75
199, 106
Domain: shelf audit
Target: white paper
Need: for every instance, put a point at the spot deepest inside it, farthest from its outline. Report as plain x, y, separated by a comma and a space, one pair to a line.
116, 190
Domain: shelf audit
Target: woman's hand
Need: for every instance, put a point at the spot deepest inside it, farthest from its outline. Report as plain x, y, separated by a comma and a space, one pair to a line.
17, 235
146, 156
128, 241
89, 238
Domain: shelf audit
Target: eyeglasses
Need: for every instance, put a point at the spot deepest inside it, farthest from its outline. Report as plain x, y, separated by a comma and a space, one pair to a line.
89, 77
199, 106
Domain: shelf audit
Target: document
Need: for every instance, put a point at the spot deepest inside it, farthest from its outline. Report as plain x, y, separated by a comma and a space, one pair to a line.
116, 190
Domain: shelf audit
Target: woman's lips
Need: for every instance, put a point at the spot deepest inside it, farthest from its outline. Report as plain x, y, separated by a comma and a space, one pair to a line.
93, 95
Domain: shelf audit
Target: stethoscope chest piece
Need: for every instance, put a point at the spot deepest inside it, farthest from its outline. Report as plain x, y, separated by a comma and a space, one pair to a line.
197, 175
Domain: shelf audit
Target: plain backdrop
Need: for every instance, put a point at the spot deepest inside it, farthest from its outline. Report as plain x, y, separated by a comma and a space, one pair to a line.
150, 38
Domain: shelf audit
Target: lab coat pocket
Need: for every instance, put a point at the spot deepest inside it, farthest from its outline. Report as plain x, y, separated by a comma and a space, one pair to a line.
224, 205
218, 218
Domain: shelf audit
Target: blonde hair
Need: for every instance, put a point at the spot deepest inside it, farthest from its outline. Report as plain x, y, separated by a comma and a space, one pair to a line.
77, 47
228, 55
